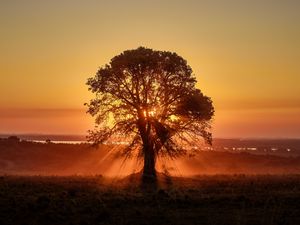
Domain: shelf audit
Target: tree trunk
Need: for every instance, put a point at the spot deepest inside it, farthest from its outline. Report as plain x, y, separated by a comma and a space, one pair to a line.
149, 161
149, 172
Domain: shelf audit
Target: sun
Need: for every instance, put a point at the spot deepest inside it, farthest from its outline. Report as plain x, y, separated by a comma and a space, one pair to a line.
150, 113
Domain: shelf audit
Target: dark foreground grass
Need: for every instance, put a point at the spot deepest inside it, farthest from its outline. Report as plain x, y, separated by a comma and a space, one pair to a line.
95, 200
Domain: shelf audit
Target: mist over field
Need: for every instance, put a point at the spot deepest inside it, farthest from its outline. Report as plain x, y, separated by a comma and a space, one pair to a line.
225, 157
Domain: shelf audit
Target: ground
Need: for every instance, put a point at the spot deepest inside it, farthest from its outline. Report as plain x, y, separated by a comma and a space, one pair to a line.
220, 199
29, 158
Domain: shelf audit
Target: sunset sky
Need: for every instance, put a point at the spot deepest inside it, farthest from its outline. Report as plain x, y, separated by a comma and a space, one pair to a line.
245, 55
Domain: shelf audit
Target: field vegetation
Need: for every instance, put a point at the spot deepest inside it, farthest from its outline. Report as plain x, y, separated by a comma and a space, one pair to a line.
219, 199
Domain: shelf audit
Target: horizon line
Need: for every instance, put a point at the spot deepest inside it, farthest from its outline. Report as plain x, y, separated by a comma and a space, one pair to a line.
3, 135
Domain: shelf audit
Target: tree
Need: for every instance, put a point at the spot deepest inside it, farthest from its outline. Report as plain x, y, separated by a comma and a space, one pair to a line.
149, 99
13, 139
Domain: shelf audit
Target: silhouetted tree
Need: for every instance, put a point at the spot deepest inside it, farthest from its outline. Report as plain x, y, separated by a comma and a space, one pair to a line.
13, 139
149, 99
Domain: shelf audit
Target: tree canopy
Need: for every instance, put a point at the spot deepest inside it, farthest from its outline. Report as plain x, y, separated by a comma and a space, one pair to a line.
148, 99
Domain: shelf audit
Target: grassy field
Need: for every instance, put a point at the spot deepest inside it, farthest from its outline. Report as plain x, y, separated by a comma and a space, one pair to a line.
234, 199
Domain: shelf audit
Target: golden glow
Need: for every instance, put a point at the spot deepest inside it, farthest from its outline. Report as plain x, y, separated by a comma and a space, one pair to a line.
245, 56
174, 118
149, 113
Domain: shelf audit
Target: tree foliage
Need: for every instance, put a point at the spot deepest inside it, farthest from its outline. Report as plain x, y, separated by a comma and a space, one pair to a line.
148, 98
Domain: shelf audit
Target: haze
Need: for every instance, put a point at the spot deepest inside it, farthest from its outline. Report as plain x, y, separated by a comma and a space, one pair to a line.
245, 55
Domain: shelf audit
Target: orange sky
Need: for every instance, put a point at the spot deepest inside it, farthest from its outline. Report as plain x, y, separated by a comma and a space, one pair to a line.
245, 55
